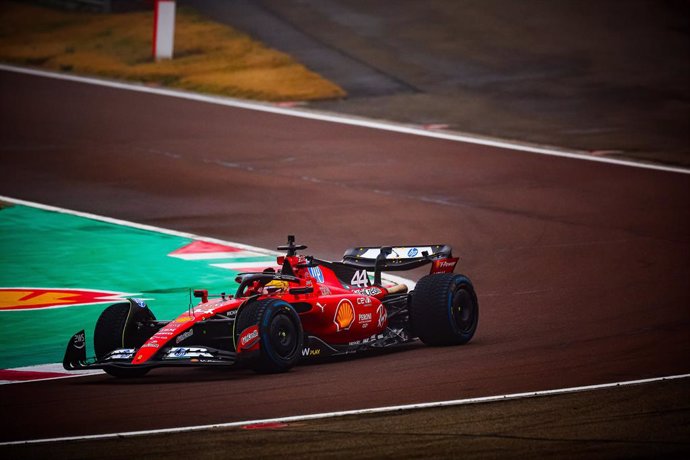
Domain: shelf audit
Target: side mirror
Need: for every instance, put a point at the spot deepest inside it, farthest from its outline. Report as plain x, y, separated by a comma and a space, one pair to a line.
201, 294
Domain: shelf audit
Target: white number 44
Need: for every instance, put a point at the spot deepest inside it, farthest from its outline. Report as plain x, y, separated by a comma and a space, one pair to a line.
360, 278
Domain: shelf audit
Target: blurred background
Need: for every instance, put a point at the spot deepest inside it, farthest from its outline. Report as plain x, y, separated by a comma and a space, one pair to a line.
609, 77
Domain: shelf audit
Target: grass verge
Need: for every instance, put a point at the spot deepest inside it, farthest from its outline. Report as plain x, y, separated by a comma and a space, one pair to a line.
209, 57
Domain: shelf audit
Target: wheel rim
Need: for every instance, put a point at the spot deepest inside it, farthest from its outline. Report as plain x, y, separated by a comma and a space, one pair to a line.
464, 310
283, 335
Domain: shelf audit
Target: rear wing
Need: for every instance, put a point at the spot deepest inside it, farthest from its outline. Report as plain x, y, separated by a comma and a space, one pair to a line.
399, 258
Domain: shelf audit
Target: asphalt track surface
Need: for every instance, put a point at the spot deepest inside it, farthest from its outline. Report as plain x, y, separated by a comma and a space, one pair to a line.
608, 77
581, 268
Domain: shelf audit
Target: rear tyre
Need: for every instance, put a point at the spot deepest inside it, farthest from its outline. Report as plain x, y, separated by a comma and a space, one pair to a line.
444, 309
280, 333
117, 328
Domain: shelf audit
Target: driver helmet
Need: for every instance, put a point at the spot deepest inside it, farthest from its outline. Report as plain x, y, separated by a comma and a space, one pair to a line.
275, 287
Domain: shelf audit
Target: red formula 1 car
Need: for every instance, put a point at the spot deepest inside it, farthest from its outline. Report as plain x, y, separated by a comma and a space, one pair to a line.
310, 308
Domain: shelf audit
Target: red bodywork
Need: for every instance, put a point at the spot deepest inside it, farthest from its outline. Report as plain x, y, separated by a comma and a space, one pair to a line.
335, 312
309, 308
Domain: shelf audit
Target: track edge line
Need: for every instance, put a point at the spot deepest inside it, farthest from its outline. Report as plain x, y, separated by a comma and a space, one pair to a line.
345, 119
373, 410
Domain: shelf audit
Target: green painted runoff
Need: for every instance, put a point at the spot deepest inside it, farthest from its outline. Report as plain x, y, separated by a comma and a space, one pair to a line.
45, 249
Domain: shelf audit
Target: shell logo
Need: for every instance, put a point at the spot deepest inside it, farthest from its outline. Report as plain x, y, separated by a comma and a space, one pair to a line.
344, 315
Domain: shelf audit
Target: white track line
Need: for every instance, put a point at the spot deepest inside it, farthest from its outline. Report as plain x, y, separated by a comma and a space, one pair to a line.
55, 368
247, 265
252, 249
215, 255
255, 251
375, 410
260, 251
125, 223
343, 119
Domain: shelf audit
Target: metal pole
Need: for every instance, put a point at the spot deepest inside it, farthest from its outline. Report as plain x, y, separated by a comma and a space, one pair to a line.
164, 29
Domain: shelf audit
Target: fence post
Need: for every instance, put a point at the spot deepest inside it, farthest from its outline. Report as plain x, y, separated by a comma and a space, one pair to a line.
163, 29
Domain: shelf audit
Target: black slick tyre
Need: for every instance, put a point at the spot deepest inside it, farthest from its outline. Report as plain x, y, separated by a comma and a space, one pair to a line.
280, 334
444, 309
117, 328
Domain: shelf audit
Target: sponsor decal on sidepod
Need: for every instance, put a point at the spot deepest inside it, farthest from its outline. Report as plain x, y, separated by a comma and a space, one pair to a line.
249, 338
344, 315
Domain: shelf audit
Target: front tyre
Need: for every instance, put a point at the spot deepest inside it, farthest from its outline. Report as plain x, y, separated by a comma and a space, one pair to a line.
280, 333
444, 309
117, 328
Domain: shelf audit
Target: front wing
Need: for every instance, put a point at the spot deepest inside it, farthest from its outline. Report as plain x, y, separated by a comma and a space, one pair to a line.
195, 356
75, 357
